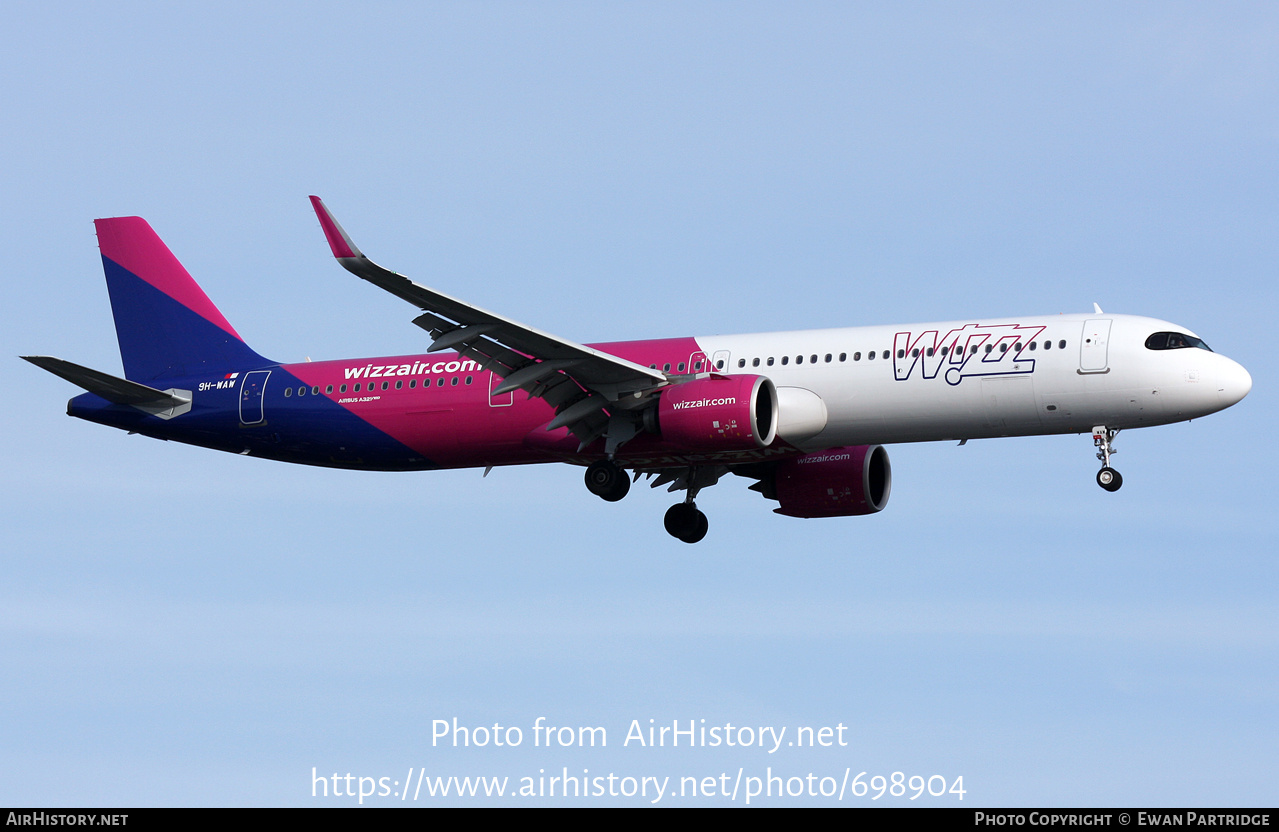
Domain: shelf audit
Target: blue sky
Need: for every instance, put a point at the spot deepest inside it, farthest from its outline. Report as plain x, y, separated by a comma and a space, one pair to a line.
180, 627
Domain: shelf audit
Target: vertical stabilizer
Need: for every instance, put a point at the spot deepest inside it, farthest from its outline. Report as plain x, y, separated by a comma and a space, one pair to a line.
166, 324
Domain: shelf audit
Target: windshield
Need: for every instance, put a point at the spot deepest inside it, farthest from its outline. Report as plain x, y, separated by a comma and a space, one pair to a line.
1174, 341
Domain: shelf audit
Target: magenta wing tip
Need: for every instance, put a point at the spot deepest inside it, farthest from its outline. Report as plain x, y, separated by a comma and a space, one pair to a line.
339, 242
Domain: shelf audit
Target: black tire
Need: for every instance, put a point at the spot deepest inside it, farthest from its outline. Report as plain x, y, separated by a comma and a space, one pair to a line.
684, 522
699, 531
606, 481
680, 519
1109, 479
620, 489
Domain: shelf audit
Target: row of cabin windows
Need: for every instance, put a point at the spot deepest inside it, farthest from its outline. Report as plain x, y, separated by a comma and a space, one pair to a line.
666, 368
799, 359
373, 385
1016, 346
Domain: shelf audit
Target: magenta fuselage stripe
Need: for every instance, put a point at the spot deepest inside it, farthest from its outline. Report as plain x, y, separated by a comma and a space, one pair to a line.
131, 243
457, 424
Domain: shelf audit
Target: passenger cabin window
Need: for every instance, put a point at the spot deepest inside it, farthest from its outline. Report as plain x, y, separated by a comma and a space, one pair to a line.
1174, 341
741, 362
770, 361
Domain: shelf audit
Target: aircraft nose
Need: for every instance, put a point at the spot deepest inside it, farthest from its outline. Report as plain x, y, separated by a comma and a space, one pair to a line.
1233, 383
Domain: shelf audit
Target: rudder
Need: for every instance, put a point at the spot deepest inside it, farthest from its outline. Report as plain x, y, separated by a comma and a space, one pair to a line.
165, 323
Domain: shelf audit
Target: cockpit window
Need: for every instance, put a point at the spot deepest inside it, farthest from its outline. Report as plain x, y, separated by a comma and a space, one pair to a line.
1174, 341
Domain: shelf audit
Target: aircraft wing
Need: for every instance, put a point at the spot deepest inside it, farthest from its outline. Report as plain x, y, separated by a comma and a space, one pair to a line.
577, 381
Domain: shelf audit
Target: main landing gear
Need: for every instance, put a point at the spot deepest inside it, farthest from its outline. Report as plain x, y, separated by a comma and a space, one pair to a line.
1108, 478
683, 521
607, 481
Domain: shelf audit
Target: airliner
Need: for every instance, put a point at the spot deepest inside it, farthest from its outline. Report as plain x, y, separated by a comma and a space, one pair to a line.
806, 414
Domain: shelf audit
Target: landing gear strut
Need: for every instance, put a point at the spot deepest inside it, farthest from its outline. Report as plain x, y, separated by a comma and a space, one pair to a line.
1103, 437
685, 522
607, 481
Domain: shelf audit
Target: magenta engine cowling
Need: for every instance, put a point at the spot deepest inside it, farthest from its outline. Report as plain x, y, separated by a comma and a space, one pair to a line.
719, 413
840, 482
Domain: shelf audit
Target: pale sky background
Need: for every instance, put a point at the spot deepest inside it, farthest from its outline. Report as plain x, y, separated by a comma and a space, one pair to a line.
182, 627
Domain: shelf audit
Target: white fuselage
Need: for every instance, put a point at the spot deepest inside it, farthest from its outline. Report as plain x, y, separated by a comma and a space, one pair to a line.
1083, 370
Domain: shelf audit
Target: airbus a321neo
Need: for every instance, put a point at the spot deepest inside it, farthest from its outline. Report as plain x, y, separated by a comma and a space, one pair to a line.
804, 414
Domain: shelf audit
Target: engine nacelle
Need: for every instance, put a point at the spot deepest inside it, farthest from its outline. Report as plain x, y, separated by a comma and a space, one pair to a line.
719, 413
840, 482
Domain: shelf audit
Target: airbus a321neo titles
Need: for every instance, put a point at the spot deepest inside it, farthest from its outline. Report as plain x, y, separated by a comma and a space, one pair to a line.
804, 414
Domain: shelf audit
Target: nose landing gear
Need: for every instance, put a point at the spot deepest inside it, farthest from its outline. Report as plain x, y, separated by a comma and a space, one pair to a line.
1103, 437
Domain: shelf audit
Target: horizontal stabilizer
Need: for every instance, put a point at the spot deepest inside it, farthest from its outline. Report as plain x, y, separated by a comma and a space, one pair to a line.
115, 390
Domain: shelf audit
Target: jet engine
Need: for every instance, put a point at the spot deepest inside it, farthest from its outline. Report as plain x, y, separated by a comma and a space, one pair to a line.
839, 482
719, 413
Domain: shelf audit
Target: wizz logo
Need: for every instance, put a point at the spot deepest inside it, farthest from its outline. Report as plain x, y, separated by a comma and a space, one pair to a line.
970, 350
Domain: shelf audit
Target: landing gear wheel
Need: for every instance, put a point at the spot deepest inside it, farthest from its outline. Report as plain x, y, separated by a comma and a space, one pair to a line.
1109, 479
605, 480
684, 522
1104, 438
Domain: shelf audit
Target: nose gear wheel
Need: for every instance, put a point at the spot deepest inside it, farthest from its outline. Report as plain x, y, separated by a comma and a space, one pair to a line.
1104, 438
